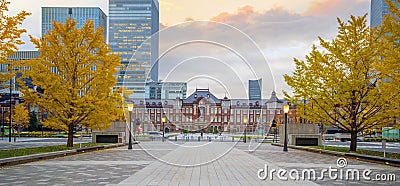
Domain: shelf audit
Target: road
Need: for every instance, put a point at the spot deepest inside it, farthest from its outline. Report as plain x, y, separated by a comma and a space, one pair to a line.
376, 146
38, 142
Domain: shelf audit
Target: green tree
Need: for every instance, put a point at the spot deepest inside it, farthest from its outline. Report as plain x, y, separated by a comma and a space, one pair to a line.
76, 71
340, 80
33, 122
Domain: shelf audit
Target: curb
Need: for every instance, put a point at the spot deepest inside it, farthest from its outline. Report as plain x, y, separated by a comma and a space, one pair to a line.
50, 155
375, 159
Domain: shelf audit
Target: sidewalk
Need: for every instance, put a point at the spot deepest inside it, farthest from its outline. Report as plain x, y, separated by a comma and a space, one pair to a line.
206, 164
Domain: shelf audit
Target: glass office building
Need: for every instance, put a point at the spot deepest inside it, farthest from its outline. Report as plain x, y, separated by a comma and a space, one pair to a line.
379, 9
166, 90
132, 22
255, 89
18, 56
79, 14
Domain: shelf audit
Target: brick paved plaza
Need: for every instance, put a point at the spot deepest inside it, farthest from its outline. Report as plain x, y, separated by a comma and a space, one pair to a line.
190, 163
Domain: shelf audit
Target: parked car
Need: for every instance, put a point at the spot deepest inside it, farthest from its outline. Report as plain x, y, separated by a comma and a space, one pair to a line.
347, 137
156, 134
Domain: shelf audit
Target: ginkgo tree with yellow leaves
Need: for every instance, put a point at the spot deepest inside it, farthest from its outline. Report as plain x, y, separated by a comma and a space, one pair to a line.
389, 66
20, 118
76, 72
340, 82
10, 34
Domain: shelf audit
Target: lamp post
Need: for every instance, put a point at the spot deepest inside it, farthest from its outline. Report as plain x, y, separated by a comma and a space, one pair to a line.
10, 116
286, 111
3, 130
130, 108
163, 129
274, 126
245, 127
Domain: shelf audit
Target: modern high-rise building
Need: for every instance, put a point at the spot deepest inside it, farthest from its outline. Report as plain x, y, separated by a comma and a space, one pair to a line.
166, 90
255, 89
18, 56
132, 23
79, 14
379, 9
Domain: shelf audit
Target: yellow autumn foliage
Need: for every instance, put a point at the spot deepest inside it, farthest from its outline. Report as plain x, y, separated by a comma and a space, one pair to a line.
77, 71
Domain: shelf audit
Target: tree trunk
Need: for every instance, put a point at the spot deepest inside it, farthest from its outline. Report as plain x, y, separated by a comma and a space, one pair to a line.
353, 143
70, 141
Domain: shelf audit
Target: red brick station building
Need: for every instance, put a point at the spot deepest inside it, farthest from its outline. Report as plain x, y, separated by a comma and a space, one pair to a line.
202, 111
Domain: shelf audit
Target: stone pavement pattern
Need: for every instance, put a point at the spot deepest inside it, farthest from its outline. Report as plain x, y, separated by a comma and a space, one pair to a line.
204, 164
93, 168
299, 160
191, 163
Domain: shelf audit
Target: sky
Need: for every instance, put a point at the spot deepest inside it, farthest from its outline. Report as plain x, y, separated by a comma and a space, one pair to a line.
268, 33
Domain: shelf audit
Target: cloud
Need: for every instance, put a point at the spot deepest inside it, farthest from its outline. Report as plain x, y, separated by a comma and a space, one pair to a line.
337, 8
162, 26
281, 35
189, 19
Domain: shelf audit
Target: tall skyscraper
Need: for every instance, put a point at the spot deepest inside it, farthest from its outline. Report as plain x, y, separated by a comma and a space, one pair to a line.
379, 9
132, 22
79, 14
255, 89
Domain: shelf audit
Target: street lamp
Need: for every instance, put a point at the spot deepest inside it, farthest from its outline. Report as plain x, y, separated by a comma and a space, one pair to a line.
163, 129
245, 127
275, 130
286, 111
130, 108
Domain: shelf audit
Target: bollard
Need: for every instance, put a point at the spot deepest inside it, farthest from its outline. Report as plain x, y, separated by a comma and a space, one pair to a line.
233, 139
209, 138
176, 138
198, 138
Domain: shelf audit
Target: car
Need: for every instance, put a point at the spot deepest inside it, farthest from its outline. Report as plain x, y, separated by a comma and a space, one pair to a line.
156, 134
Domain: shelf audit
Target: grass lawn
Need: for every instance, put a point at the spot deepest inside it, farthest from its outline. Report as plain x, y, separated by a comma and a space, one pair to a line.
359, 151
37, 150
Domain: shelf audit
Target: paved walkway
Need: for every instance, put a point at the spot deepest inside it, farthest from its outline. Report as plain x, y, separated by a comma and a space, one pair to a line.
190, 163
205, 164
